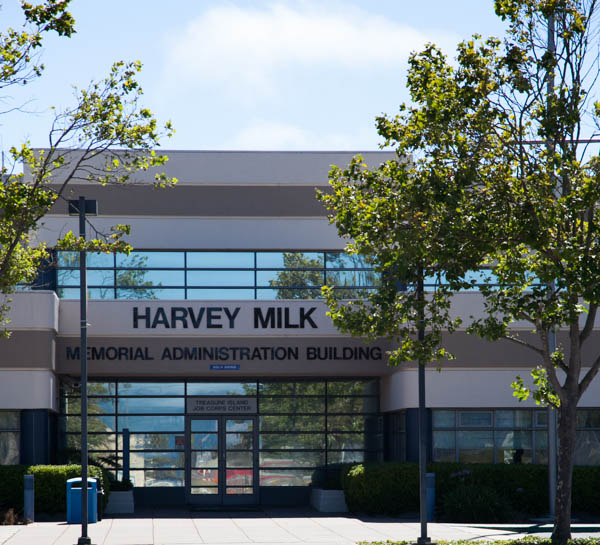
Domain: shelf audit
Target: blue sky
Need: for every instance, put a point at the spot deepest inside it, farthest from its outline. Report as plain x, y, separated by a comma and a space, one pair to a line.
252, 74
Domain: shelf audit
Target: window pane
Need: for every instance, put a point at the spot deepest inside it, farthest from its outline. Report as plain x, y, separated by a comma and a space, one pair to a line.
444, 446
280, 260
151, 388
67, 259
541, 447
221, 388
444, 419
238, 459
95, 423
239, 424
151, 423
101, 293
157, 477
350, 457
352, 278
222, 293
513, 419
292, 441
291, 459
101, 278
157, 459
285, 477
354, 441
204, 425
9, 447
67, 277
146, 278
68, 293
168, 260
205, 477
588, 418
150, 293
292, 405
205, 459
102, 441
342, 260
475, 418
541, 419
289, 278
101, 389
587, 448
240, 441
291, 388
220, 260
352, 387
475, 447
132, 405
205, 441
239, 477
220, 278
292, 422
352, 405
100, 260
10, 420
153, 441
514, 447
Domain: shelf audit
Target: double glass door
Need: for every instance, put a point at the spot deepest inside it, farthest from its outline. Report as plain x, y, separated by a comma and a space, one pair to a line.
221, 460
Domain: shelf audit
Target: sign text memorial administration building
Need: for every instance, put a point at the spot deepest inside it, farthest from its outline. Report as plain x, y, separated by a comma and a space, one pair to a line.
211, 345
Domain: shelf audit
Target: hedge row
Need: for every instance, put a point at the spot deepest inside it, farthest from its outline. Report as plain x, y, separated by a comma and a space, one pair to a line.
50, 485
392, 488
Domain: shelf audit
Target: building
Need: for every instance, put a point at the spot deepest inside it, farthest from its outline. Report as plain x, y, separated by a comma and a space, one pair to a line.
209, 343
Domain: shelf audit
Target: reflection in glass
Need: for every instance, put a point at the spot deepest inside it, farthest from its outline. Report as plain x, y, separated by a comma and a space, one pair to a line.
475, 418
292, 422
541, 447
221, 388
346, 456
513, 447
205, 459
220, 278
291, 388
129, 405
354, 423
290, 458
205, 490
280, 260
241, 441
292, 405
475, 447
204, 477
157, 477
204, 425
9, 447
151, 423
352, 405
444, 419
205, 441
239, 459
167, 260
238, 424
153, 441
153, 459
220, 260
284, 441
513, 419
239, 490
221, 293
587, 448
352, 387
239, 477
444, 446
285, 477
357, 441
151, 388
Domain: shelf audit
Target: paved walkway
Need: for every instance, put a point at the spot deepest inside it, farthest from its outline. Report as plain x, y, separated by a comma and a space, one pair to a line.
164, 527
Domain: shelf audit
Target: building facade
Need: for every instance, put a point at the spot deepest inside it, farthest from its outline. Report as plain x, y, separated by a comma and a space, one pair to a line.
210, 345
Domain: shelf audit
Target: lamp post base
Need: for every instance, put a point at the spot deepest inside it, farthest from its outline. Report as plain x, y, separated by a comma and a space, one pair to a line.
424, 541
84, 541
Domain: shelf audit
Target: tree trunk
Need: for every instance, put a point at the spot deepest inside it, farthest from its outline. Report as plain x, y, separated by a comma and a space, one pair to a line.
566, 448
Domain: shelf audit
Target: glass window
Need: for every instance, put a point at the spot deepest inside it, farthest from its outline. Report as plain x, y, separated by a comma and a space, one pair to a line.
352, 387
342, 260
475, 419
290, 458
541, 447
514, 447
354, 423
444, 419
136, 259
156, 477
221, 388
99, 260
354, 441
9, 447
140, 460
292, 441
291, 422
347, 456
151, 388
146, 278
98, 278
221, 294
289, 260
10, 420
150, 293
587, 448
291, 388
292, 405
151, 423
285, 477
352, 405
475, 447
444, 446
541, 419
588, 418
133, 405
220, 278
153, 441
513, 419
220, 260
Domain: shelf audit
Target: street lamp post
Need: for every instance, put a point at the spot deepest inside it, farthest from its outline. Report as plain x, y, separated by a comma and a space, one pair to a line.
79, 207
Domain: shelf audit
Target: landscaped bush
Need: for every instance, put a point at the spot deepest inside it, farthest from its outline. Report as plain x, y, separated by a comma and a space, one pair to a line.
392, 488
11, 487
470, 502
51, 485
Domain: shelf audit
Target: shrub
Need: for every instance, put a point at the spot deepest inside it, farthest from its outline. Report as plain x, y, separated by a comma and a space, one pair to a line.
120, 486
51, 485
475, 503
11, 487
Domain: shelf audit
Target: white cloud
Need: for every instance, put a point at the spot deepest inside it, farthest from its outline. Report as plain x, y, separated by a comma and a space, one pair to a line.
267, 135
246, 51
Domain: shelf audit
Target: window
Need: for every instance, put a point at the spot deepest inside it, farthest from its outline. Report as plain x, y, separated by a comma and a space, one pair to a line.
215, 275
9, 437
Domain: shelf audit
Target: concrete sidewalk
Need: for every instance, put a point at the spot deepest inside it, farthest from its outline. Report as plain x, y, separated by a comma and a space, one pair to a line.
178, 527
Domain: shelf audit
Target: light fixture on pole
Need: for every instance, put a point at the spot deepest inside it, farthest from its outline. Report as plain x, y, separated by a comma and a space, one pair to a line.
81, 207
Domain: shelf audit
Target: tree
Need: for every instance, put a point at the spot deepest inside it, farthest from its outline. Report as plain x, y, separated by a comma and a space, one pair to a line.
106, 136
499, 177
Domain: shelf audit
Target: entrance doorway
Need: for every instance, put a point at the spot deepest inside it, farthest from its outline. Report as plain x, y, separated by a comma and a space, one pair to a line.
221, 460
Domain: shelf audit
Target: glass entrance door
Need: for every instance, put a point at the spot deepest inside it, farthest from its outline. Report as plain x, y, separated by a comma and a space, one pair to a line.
221, 460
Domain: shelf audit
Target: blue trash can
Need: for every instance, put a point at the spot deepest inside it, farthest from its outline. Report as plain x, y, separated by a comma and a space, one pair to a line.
74, 500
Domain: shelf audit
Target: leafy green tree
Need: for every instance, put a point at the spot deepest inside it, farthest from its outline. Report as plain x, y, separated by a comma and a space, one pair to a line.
301, 271
106, 136
497, 177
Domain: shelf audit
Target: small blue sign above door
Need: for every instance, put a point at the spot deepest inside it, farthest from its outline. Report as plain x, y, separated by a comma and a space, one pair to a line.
225, 367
